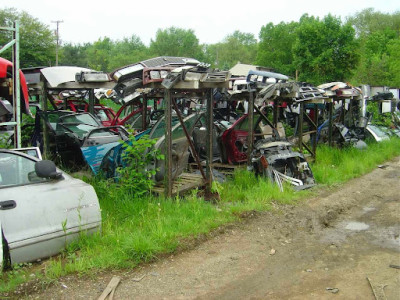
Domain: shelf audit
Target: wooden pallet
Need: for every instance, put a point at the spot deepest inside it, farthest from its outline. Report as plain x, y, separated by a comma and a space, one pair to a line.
184, 183
226, 169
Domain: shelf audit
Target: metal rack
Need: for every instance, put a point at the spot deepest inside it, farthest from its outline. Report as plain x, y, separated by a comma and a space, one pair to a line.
14, 44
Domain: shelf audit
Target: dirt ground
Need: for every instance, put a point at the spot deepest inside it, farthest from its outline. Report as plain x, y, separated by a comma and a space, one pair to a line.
342, 244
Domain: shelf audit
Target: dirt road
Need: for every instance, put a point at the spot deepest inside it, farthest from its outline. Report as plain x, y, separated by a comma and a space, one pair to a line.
324, 248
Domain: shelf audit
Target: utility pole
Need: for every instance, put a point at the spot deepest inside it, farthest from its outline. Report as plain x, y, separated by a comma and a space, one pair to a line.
58, 38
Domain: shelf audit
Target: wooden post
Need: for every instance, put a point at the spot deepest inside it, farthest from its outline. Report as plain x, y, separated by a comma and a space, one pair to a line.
300, 131
209, 153
330, 124
144, 113
250, 136
314, 148
275, 111
91, 101
168, 145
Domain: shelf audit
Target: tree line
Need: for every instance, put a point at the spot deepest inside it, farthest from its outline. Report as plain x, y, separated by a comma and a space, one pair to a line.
363, 49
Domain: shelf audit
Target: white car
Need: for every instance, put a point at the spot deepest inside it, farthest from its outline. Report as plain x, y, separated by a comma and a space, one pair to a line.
41, 208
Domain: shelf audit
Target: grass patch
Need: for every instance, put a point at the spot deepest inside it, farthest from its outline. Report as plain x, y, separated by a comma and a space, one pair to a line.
247, 192
137, 230
340, 165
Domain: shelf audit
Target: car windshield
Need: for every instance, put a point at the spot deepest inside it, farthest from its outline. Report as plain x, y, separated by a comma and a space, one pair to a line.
378, 131
81, 130
17, 170
79, 119
159, 129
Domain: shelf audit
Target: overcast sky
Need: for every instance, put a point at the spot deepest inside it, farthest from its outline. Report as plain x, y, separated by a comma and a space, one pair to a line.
211, 20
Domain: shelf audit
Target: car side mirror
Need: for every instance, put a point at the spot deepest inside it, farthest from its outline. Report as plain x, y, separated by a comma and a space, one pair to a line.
47, 169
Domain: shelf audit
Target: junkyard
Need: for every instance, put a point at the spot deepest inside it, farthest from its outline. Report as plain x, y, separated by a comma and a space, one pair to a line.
184, 177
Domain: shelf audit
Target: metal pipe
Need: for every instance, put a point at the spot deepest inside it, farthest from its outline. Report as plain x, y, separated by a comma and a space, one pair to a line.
16, 90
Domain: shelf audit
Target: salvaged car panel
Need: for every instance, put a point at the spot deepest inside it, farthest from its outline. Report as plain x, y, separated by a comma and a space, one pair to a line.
377, 133
136, 70
5, 73
297, 91
112, 159
105, 114
58, 75
180, 145
341, 90
277, 161
69, 131
233, 141
42, 208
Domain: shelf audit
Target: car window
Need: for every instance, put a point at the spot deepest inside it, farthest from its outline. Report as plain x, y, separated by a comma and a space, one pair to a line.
53, 120
17, 170
101, 114
244, 124
178, 132
378, 131
159, 129
80, 119
80, 130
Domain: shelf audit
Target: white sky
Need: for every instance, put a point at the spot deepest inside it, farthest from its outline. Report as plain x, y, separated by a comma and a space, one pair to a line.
211, 20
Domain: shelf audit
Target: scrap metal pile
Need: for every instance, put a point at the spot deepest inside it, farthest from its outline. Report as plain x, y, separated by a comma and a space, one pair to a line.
79, 131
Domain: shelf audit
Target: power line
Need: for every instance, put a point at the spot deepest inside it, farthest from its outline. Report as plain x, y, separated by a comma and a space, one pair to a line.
58, 40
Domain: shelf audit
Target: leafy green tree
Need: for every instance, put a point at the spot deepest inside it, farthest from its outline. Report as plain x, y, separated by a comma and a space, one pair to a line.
127, 51
377, 33
176, 42
374, 62
276, 47
325, 50
236, 47
99, 54
369, 21
37, 41
74, 55
393, 49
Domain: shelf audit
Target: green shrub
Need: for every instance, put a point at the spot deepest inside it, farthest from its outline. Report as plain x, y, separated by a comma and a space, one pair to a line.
134, 176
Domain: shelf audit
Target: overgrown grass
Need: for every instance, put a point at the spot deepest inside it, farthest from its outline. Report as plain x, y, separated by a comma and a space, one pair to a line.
245, 192
138, 230
339, 165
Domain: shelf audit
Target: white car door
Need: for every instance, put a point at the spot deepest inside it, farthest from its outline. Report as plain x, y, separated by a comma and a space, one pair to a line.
39, 216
